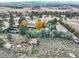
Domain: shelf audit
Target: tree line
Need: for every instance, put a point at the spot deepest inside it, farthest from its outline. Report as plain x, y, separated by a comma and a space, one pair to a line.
58, 14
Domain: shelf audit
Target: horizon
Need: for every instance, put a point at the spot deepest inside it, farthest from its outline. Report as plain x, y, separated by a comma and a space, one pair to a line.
35, 0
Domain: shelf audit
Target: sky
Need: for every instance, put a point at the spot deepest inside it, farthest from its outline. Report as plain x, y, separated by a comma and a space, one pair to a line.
33, 0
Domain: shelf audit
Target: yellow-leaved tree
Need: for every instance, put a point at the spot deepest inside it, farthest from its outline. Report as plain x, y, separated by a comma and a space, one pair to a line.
24, 23
38, 23
22, 27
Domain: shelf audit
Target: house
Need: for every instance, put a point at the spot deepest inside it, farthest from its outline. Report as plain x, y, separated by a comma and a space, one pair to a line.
30, 24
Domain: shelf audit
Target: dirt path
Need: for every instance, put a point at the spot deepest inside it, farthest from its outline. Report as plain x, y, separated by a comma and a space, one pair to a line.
61, 28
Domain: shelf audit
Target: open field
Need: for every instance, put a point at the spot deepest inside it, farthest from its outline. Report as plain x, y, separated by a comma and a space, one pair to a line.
74, 24
42, 9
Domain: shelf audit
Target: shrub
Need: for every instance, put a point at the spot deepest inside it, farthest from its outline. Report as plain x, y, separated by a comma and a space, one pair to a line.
52, 27
52, 34
9, 36
48, 24
22, 30
56, 34
54, 21
32, 33
68, 35
34, 50
43, 33
1, 42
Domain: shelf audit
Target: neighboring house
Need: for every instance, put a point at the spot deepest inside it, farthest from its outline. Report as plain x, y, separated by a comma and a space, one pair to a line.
46, 18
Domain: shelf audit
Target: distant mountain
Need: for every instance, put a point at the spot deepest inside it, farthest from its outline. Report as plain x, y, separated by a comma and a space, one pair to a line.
35, 3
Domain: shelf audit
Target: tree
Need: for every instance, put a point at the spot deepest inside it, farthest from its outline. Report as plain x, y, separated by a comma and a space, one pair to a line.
11, 21
22, 26
0, 25
9, 36
1, 42
38, 24
31, 16
22, 30
53, 22
52, 27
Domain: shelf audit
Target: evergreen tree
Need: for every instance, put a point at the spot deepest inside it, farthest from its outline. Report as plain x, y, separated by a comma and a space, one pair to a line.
0, 25
22, 26
11, 21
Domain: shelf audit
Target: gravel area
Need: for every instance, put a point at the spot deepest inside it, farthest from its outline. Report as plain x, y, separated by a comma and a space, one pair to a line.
48, 48
58, 48
6, 53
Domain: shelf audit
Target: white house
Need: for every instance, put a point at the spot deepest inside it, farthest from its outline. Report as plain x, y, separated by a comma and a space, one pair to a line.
30, 24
